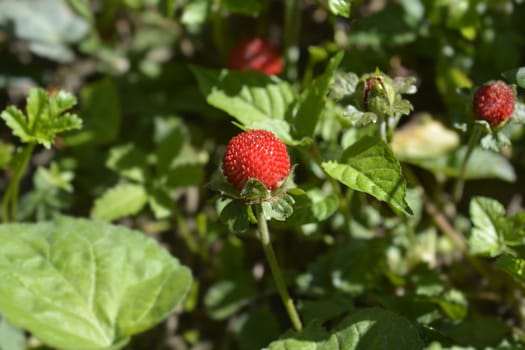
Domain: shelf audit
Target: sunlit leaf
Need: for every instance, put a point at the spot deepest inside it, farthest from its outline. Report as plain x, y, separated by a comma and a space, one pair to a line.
370, 166
340, 7
79, 284
254, 99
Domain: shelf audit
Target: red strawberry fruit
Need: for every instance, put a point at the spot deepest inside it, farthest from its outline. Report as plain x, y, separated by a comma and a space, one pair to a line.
255, 154
494, 102
256, 54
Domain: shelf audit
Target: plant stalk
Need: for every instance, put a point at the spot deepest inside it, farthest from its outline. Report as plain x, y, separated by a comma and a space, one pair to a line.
264, 236
460, 182
10, 200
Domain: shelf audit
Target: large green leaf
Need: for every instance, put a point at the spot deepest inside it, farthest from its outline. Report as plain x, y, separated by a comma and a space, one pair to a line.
256, 100
120, 201
366, 329
80, 284
370, 166
313, 100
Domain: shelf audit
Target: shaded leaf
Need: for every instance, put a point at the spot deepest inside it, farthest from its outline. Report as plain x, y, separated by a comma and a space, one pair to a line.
227, 296
101, 111
233, 214
313, 99
90, 285
128, 161
370, 166
372, 328
512, 265
516, 76
244, 7
256, 329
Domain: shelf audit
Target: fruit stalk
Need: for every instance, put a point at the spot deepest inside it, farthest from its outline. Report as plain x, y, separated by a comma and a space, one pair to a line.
264, 236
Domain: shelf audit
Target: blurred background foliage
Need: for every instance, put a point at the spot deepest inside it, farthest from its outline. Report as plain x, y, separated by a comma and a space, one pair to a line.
151, 142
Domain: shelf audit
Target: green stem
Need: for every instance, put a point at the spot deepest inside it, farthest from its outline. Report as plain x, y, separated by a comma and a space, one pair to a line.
460, 182
10, 200
292, 26
264, 236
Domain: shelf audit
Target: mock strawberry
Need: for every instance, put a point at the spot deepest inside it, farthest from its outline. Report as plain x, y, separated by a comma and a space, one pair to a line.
256, 54
494, 102
255, 154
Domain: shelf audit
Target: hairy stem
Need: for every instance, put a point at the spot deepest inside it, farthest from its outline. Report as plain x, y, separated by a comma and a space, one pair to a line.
264, 236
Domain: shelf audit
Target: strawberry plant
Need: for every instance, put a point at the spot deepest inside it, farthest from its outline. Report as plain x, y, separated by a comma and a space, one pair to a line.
260, 174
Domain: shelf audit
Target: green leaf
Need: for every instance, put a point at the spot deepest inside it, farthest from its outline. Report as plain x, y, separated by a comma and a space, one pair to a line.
516, 76
185, 175
512, 265
256, 329
227, 296
486, 236
316, 206
16, 121
279, 207
11, 337
313, 100
160, 202
47, 26
351, 268
101, 111
340, 7
128, 161
233, 214
196, 12
370, 166
79, 284
120, 201
169, 148
45, 117
372, 328
167, 7
243, 7
252, 98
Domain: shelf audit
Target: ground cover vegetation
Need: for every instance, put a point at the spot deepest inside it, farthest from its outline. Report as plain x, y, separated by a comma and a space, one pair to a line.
262, 174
